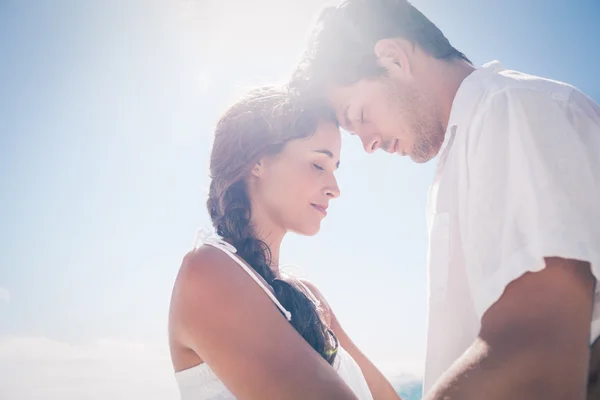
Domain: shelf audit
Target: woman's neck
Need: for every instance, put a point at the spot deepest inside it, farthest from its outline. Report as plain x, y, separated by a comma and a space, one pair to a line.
271, 235
273, 241
266, 229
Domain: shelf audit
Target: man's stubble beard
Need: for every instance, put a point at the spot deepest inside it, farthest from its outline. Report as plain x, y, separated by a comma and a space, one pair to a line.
424, 122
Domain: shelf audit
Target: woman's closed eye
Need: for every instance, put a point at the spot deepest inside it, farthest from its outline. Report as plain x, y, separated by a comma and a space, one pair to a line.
318, 167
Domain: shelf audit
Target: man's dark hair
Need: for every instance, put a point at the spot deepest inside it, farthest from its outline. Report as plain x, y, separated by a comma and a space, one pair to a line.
341, 47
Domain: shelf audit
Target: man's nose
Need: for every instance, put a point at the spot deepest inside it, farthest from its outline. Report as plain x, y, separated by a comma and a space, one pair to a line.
371, 143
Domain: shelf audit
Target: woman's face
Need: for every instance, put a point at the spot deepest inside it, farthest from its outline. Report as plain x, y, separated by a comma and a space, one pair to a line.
291, 191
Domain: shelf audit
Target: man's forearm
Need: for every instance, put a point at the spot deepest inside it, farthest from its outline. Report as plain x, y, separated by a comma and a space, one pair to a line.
484, 374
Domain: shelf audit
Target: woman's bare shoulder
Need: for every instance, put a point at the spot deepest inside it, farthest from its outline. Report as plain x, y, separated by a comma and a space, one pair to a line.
319, 296
205, 270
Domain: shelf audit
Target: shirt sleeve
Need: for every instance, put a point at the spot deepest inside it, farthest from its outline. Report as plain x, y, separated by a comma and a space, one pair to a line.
532, 191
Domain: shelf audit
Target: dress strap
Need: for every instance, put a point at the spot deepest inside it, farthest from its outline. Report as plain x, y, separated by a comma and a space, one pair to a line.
214, 240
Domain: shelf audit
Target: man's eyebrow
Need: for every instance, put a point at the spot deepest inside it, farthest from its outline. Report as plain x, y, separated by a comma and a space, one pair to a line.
328, 154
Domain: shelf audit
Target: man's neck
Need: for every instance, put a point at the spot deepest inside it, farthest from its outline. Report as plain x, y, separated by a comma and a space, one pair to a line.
448, 78
444, 79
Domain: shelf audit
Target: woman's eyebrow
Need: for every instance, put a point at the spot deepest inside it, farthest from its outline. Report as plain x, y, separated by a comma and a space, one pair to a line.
328, 154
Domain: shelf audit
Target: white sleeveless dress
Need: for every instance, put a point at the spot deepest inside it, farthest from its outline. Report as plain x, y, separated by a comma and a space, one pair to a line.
201, 383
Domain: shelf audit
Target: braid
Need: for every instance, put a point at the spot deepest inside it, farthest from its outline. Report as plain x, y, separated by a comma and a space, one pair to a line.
230, 213
234, 225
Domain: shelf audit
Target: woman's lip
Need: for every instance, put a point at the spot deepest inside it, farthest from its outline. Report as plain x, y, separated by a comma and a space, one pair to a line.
321, 209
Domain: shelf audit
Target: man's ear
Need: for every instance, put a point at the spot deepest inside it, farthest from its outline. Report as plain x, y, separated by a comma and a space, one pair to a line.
394, 54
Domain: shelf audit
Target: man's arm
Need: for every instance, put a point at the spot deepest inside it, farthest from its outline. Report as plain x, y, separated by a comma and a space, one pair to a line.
533, 343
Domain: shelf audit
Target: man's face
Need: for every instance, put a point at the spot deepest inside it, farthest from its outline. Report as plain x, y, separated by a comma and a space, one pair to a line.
392, 113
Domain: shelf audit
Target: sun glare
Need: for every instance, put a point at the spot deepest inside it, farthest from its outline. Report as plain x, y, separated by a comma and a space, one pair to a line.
260, 31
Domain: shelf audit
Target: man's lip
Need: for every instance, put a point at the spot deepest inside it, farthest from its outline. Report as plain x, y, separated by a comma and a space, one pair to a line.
322, 209
394, 148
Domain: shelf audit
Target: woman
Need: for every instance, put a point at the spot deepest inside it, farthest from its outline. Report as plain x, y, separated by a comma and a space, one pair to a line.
239, 328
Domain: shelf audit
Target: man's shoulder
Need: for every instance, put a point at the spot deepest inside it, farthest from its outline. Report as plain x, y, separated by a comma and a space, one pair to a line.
492, 89
516, 87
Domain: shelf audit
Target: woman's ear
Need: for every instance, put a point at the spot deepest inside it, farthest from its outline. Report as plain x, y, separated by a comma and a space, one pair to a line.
257, 170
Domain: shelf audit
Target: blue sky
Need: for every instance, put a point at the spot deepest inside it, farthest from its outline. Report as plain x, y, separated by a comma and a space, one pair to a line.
106, 114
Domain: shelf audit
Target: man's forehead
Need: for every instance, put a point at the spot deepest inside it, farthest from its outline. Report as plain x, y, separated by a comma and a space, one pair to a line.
340, 99
338, 95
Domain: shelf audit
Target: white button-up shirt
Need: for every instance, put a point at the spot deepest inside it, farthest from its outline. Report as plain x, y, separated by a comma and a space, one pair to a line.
518, 179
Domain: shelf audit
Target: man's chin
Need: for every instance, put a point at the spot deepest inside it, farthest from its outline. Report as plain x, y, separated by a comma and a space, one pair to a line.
423, 155
421, 158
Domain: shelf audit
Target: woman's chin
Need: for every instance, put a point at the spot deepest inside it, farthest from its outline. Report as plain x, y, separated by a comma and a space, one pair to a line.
308, 229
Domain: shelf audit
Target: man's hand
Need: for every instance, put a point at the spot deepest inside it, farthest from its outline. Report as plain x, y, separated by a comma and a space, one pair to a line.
533, 342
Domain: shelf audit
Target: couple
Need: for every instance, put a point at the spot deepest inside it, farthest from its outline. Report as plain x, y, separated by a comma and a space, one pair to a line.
513, 220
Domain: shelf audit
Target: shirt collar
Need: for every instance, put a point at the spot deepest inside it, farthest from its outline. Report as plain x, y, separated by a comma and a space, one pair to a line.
463, 98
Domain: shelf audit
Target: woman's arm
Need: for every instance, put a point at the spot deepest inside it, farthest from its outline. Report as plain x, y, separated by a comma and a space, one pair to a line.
222, 315
380, 387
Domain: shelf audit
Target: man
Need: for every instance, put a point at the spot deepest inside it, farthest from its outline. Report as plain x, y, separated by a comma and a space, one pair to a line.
514, 209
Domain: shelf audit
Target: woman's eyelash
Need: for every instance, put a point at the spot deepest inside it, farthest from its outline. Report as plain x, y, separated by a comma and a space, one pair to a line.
318, 167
